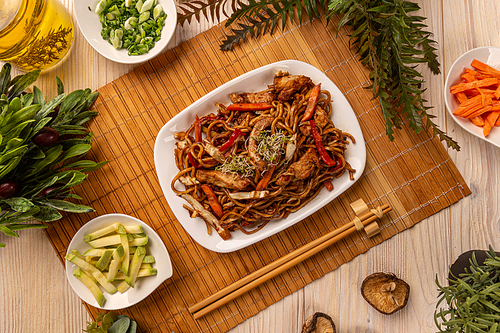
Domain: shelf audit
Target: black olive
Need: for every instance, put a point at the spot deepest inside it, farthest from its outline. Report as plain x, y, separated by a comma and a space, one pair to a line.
9, 189
46, 137
50, 189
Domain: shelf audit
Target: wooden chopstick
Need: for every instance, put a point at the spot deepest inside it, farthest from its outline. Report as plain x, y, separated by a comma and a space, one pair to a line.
278, 266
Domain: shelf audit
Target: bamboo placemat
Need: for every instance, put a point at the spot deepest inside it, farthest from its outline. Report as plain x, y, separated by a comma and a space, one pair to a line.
414, 174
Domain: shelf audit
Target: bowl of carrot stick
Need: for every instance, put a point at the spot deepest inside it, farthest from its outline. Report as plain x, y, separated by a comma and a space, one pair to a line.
472, 93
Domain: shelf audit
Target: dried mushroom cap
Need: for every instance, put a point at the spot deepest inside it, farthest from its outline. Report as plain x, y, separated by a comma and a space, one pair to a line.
319, 323
385, 292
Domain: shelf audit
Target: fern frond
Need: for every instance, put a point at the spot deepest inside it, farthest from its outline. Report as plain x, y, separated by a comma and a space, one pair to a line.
211, 9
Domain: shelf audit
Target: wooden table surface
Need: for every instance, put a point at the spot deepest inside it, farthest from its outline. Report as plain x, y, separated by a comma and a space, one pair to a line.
36, 297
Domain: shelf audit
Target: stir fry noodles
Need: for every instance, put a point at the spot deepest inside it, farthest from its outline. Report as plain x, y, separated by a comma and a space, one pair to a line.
262, 157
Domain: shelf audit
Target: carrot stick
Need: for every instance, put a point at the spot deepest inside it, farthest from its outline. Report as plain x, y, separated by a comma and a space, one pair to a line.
480, 66
212, 200
472, 85
478, 121
497, 93
492, 118
265, 179
461, 97
478, 112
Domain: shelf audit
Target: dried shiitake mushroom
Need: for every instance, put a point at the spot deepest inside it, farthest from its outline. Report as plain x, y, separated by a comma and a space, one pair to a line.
385, 292
319, 323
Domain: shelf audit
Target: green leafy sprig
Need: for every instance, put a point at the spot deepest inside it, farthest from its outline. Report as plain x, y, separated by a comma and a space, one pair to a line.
110, 322
43, 175
472, 300
390, 42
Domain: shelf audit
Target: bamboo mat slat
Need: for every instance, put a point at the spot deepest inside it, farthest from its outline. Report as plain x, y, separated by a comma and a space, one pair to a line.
414, 174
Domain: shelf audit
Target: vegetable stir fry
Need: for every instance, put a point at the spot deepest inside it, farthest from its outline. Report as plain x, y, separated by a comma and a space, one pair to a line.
261, 158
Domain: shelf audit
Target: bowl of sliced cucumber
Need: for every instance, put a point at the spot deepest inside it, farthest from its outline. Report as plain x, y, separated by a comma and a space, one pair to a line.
115, 261
127, 31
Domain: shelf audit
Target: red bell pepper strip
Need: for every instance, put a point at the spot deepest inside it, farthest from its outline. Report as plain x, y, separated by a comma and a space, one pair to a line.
249, 106
197, 129
212, 200
261, 185
319, 145
193, 162
232, 139
311, 103
328, 184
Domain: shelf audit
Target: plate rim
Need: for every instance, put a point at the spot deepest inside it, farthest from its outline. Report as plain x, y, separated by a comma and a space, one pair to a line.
165, 184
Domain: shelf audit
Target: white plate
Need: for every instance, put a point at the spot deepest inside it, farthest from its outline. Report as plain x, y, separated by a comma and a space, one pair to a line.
90, 26
143, 287
489, 55
256, 80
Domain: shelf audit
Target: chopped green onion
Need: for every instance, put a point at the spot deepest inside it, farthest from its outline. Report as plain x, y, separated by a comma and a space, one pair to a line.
130, 24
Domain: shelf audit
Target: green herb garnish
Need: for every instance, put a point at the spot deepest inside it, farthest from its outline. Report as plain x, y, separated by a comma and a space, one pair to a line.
237, 164
390, 42
271, 146
112, 323
131, 24
472, 299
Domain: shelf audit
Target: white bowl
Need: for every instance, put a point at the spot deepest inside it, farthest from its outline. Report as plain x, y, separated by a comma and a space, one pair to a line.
489, 55
143, 287
90, 26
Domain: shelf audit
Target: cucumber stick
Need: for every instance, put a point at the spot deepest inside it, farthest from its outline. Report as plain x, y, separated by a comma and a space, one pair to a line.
91, 285
101, 232
115, 263
135, 265
97, 274
122, 233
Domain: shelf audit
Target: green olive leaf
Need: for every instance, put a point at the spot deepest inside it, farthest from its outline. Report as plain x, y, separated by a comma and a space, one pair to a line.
66, 206
5, 78
21, 82
97, 166
49, 107
13, 152
120, 326
24, 226
47, 214
76, 150
38, 97
133, 327
13, 144
60, 85
4, 171
51, 155
8, 232
19, 204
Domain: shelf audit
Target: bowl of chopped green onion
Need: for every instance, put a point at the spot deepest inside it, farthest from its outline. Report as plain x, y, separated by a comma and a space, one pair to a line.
127, 31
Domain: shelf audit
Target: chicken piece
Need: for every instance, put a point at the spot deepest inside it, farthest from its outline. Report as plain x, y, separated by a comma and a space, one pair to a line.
301, 169
320, 117
222, 179
287, 85
265, 96
252, 142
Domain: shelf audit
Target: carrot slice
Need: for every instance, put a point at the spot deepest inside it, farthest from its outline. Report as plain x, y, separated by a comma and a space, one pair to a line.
472, 85
212, 200
481, 66
492, 118
478, 121
461, 97
261, 185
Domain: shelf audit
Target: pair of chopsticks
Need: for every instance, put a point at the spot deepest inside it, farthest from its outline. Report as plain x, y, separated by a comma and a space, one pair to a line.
279, 266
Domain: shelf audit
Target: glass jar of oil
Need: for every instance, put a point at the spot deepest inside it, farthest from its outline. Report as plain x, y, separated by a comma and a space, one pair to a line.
34, 34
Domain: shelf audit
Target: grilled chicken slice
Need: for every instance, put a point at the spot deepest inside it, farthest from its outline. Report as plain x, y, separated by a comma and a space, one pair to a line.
265, 96
287, 85
222, 179
252, 142
301, 169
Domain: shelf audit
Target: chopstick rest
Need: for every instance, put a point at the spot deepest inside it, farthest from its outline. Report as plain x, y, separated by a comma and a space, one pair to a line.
365, 219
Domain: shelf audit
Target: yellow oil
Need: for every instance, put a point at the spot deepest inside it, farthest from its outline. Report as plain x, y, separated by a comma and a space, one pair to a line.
39, 36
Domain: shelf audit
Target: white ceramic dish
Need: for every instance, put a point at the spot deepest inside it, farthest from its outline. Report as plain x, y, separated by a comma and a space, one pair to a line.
490, 56
88, 22
256, 80
143, 287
